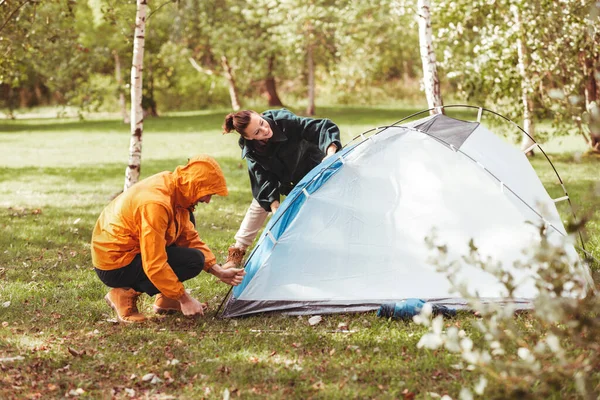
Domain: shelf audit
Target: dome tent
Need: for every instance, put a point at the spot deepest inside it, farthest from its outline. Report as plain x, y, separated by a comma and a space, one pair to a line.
351, 235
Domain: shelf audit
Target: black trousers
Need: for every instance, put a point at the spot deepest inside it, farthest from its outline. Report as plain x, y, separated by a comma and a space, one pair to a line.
186, 263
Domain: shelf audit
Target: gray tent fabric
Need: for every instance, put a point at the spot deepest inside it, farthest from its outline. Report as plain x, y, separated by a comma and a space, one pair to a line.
448, 130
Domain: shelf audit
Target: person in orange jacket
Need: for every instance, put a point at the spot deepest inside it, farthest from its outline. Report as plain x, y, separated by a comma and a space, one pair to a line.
145, 242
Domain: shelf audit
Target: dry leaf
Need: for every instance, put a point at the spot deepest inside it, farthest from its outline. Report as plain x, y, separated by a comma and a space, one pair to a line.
75, 353
148, 377
314, 320
407, 395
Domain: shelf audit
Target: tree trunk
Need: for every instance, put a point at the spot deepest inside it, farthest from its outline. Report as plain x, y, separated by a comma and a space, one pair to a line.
591, 100
431, 80
132, 173
270, 86
24, 97
310, 64
526, 87
233, 94
119, 78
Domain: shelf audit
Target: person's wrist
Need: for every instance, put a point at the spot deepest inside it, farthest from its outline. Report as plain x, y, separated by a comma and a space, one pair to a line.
215, 270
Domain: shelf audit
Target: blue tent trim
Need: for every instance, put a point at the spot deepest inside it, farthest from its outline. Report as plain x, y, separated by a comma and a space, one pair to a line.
288, 211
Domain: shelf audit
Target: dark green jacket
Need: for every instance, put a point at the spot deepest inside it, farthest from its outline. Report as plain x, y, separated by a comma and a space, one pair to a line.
298, 144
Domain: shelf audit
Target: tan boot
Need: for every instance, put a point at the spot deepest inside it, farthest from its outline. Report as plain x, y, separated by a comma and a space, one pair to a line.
235, 257
124, 302
166, 305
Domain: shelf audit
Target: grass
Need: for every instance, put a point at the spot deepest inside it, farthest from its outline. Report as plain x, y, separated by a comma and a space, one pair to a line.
55, 178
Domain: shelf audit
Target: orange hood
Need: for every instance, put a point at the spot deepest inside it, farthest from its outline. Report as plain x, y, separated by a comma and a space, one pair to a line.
201, 176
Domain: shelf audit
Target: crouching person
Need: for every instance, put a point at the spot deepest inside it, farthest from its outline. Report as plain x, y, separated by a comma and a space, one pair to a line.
145, 242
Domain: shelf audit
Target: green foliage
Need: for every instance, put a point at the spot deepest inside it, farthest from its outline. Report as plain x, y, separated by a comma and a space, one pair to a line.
478, 40
555, 350
53, 316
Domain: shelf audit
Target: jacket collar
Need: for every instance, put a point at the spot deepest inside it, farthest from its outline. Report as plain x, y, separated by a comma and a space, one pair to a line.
278, 136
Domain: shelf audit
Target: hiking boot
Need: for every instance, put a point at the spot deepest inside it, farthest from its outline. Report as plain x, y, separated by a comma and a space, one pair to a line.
235, 257
124, 302
166, 305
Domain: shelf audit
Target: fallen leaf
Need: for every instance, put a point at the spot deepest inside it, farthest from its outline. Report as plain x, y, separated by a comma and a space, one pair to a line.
314, 320
6, 304
343, 326
76, 392
407, 395
148, 377
272, 353
75, 353
319, 385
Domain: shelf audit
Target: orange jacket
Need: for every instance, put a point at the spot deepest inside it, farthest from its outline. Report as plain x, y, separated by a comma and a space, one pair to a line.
152, 215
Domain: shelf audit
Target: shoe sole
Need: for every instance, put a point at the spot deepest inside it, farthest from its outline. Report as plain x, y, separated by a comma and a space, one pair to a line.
165, 311
111, 305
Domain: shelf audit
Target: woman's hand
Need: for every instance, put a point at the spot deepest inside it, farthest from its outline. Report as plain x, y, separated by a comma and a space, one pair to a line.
274, 206
331, 150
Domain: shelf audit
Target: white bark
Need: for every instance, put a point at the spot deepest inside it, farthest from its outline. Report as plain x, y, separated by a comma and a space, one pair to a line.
431, 80
526, 101
132, 173
233, 94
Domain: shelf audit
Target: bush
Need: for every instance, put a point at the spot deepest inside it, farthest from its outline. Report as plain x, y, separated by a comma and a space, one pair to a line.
553, 350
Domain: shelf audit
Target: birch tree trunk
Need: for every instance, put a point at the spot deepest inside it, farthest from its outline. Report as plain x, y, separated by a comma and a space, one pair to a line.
132, 173
119, 78
592, 105
526, 101
235, 100
310, 108
431, 80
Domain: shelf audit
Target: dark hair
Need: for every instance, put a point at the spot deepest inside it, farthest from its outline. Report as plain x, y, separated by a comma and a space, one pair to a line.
237, 121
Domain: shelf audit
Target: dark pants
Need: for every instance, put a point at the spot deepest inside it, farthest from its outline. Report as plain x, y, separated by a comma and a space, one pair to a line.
185, 262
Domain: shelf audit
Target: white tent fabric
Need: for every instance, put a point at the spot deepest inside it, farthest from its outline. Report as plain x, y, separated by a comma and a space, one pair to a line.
356, 239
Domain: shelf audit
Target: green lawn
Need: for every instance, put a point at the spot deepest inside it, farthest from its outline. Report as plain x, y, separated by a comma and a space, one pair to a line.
55, 178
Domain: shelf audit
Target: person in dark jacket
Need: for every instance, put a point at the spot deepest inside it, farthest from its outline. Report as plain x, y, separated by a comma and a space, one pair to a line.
280, 148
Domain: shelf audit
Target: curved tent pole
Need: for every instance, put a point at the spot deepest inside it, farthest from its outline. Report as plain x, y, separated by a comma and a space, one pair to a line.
506, 119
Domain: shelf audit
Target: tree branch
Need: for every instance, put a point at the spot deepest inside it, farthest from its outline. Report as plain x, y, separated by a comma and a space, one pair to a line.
12, 13
198, 68
159, 7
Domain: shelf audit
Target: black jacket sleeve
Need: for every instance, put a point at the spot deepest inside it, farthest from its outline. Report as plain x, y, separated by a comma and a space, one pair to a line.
322, 132
265, 185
